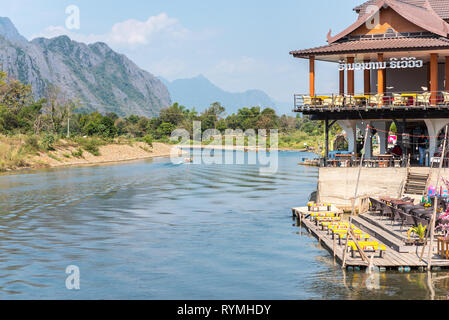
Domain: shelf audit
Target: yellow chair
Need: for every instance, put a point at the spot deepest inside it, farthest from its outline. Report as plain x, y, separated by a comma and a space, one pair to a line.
367, 246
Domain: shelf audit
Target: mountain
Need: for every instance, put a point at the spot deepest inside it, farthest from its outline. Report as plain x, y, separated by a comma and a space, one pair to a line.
199, 92
9, 31
100, 78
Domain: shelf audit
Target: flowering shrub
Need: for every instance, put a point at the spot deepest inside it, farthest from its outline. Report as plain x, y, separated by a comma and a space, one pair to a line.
444, 224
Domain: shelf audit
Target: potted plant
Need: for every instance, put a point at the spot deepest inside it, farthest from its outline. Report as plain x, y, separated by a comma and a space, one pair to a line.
419, 231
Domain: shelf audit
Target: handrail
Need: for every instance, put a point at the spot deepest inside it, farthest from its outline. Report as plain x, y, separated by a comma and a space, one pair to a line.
395, 99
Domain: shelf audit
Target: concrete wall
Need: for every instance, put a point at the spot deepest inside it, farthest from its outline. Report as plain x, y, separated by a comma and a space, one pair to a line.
337, 185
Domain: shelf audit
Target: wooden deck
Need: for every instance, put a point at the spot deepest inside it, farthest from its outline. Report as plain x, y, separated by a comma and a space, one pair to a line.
393, 259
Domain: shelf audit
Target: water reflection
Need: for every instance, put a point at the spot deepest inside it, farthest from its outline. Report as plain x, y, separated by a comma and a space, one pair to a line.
154, 230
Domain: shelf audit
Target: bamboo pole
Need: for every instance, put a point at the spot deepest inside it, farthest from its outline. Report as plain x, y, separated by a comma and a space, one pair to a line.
350, 233
434, 215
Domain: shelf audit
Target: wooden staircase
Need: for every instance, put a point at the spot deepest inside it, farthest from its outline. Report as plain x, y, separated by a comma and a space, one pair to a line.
416, 183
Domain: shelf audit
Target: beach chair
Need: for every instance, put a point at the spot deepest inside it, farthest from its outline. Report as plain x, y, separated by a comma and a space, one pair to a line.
367, 246
423, 99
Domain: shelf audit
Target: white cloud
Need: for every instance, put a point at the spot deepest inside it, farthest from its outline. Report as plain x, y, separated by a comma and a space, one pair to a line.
128, 33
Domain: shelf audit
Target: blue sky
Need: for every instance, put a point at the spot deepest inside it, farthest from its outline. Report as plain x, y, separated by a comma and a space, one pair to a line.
238, 45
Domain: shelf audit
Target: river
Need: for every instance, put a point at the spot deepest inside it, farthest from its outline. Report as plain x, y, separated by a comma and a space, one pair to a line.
157, 230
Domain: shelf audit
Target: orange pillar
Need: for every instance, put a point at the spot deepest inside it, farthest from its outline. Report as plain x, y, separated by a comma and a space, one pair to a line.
312, 76
367, 80
433, 78
446, 86
351, 77
342, 82
380, 75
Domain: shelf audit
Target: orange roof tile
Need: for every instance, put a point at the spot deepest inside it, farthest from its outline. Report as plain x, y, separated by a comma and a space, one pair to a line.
361, 46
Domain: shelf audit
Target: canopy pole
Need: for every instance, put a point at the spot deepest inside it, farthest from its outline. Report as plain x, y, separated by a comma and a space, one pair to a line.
434, 215
353, 204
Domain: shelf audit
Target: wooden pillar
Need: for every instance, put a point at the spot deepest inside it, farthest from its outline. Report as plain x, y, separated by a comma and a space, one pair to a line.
312, 76
342, 82
446, 77
351, 89
380, 76
433, 78
367, 80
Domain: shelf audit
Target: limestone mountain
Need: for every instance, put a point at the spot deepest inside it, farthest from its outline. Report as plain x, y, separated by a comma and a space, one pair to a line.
94, 74
200, 92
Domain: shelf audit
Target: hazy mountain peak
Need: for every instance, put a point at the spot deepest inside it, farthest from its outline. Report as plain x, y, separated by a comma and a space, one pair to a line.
9, 31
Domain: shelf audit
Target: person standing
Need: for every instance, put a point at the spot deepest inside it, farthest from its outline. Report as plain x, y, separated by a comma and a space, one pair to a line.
422, 147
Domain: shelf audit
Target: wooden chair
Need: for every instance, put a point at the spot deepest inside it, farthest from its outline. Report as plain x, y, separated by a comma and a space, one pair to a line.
328, 102
446, 98
377, 100
339, 101
423, 99
350, 101
307, 100
399, 100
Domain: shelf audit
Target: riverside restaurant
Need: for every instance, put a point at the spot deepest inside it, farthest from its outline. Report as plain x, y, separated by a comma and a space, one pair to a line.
402, 49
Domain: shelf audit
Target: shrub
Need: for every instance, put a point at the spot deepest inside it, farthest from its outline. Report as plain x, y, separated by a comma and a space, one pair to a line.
78, 153
32, 143
148, 139
47, 142
91, 146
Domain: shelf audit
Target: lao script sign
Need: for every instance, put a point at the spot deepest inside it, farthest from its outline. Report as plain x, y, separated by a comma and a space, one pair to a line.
394, 63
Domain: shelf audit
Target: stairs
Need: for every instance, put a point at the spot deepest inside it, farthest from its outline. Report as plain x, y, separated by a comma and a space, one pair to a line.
416, 182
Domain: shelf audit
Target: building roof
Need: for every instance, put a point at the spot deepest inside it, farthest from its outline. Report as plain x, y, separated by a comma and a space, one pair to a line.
422, 16
375, 45
441, 7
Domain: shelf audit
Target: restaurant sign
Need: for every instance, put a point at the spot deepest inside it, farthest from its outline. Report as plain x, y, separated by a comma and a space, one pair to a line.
394, 63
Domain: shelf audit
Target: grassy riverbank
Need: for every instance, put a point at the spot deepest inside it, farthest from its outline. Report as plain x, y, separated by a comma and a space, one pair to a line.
33, 152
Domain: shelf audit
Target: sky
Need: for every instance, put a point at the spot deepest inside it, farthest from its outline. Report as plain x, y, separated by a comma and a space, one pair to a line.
238, 45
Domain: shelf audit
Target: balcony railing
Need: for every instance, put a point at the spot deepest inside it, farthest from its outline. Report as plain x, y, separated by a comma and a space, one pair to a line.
396, 100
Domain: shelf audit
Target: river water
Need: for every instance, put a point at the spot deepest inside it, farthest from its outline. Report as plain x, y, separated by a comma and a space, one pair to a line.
157, 230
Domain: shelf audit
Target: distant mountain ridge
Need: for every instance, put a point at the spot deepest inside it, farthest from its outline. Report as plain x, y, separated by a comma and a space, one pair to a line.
99, 77
199, 92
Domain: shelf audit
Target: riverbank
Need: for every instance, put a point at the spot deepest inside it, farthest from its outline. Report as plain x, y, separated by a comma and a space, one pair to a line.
241, 148
22, 152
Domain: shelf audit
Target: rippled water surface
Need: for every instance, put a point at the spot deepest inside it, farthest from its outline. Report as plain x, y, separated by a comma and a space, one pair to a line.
155, 230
